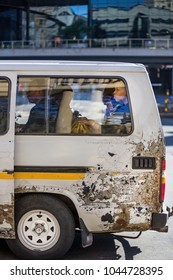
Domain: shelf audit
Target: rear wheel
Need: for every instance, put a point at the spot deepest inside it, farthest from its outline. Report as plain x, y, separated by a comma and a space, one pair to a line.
45, 228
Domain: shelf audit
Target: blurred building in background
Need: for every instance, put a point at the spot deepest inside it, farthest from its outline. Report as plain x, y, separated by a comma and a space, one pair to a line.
127, 30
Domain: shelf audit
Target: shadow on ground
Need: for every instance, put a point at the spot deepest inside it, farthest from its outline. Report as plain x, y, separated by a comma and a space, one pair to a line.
105, 247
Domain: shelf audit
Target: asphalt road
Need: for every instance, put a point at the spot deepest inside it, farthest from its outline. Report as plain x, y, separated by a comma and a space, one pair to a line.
150, 245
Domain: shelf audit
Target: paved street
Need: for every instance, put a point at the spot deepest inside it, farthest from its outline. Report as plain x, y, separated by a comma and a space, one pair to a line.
150, 245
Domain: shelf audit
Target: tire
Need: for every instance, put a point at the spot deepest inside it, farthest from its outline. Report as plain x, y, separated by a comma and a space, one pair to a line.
45, 228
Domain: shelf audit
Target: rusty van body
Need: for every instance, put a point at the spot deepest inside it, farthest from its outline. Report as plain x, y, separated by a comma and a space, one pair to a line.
75, 159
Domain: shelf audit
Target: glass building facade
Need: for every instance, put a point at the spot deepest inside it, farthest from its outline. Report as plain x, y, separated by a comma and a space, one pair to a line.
132, 19
122, 21
110, 19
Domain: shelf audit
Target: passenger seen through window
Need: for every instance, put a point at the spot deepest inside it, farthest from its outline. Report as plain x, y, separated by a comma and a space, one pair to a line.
73, 106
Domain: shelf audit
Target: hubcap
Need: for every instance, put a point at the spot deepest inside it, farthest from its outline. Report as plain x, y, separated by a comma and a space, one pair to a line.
38, 230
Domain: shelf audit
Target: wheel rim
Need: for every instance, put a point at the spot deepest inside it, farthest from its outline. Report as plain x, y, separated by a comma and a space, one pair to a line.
38, 230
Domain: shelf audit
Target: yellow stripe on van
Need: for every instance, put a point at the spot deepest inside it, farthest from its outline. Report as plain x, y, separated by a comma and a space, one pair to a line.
6, 176
48, 176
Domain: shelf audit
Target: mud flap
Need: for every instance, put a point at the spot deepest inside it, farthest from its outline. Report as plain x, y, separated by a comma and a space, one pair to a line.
86, 236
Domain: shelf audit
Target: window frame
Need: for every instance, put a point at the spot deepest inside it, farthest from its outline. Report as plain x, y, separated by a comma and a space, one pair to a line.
8, 105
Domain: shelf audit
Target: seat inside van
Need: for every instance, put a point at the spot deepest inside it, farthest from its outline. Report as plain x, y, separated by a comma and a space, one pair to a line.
63, 123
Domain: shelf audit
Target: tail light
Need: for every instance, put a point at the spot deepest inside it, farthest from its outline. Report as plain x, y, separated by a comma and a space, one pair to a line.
163, 181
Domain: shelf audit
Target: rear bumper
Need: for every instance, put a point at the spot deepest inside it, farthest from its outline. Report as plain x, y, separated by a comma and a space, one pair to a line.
159, 221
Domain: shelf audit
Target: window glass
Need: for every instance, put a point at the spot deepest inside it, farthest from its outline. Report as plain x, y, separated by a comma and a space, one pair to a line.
4, 105
75, 106
36, 106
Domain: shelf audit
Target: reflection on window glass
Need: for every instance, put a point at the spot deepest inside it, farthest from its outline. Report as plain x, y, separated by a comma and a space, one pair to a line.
37, 106
4, 101
74, 106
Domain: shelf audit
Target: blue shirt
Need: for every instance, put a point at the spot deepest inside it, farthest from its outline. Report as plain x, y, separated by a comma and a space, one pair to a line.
115, 107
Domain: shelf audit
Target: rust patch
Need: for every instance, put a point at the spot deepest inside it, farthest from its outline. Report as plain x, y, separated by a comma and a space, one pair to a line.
23, 189
6, 213
127, 219
7, 221
150, 148
132, 197
121, 223
109, 188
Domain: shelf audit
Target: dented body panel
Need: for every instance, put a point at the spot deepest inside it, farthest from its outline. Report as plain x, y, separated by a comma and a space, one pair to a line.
109, 194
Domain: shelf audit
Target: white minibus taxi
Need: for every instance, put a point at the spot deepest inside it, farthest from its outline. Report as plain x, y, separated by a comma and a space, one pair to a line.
81, 148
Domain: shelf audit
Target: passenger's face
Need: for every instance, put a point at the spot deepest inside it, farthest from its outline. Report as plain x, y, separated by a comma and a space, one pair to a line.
35, 96
119, 93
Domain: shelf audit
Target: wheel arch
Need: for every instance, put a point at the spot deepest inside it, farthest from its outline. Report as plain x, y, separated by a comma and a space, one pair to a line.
65, 199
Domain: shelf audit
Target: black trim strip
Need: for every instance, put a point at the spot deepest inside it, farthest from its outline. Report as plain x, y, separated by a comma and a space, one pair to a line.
51, 169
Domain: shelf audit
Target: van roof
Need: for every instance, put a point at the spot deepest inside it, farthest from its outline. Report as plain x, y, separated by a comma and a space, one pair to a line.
18, 65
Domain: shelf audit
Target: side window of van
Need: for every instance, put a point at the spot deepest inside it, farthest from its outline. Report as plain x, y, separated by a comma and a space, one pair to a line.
37, 105
73, 106
101, 106
4, 105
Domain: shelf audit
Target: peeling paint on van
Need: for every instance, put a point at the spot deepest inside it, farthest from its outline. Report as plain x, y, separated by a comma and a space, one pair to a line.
6, 221
151, 148
132, 199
